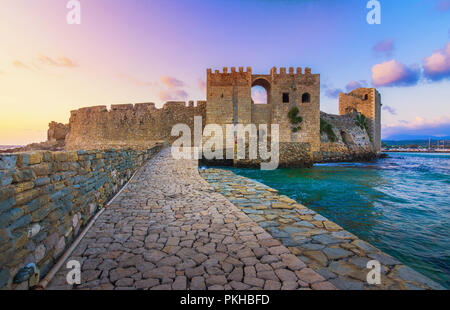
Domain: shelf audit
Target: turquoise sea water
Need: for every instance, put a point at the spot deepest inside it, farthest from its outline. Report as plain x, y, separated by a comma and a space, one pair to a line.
400, 204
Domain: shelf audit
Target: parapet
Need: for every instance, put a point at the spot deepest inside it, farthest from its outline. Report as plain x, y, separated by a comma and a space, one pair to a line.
291, 71
225, 71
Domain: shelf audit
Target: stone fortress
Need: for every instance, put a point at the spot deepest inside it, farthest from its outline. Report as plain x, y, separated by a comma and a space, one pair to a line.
321, 136
162, 223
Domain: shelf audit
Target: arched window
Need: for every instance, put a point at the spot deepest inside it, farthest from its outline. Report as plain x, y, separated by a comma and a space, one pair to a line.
306, 97
366, 97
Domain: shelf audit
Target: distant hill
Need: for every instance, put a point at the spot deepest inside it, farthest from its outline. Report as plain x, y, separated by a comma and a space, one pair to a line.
417, 142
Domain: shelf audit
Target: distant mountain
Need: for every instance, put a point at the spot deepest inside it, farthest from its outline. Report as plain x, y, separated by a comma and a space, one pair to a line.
406, 137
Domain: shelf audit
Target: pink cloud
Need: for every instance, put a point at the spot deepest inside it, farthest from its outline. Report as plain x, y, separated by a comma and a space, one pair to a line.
170, 95
437, 66
57, 62
385, 47
352, 85
202, 85
21, 65
171, 82
394, 73
443, 5
136, 81
419, 127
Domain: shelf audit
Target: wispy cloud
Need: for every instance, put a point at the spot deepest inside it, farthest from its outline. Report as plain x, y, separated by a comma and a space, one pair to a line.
419, 127
330, 91
385, 47
172, 82
437, 66
394, 73
57, 62
389, 109
201, 84
136, 81
19, 64
352, 85
171, 95
443, 5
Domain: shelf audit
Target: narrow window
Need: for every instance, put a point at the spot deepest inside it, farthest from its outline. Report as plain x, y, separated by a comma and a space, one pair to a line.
366, 97
306, 98
285, 97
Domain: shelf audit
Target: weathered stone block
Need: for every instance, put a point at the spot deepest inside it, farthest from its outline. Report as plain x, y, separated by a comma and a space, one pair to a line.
7, 204
22, 222
6, 177
22, 175
27, 196
24, 186
10, 216
42, 169
7, 161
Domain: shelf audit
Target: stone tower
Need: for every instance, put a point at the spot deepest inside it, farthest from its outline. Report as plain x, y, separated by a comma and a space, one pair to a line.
229, 101
366, 101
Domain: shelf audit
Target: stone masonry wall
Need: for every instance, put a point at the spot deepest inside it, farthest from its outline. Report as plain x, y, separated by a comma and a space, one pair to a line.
47, 197
128, 125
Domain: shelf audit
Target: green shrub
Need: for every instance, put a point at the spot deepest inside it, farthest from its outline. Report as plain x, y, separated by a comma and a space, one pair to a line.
295, 119
326, 128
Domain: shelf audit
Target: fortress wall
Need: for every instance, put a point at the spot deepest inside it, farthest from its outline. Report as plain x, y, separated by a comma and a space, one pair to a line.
47, 197
136, 125
353, 143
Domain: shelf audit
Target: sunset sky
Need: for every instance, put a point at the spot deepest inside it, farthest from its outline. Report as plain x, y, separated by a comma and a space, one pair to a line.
153, 51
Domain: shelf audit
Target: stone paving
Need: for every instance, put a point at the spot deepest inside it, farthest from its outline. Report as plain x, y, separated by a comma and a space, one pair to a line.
337, 255
169, 229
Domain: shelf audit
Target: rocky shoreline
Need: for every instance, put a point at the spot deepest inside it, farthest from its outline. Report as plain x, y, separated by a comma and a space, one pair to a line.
337, 255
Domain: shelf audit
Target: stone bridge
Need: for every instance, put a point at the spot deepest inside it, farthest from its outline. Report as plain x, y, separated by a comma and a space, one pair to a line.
170, 229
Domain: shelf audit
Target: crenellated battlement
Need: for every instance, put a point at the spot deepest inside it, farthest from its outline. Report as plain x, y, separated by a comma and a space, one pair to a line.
290, 71
139, 107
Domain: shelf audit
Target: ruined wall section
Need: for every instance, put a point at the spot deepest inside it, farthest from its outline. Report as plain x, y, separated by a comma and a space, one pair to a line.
366, 101
352, 144
129, 125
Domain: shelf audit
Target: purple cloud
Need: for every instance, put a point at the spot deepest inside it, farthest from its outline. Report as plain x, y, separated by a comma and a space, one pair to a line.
171, 82
443, 5
385, 47
171, 95
202, 85
437, 66
419, 127
394, 73
352, 85
389, 109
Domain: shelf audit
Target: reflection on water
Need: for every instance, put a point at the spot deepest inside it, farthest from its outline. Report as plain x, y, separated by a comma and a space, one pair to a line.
399, 204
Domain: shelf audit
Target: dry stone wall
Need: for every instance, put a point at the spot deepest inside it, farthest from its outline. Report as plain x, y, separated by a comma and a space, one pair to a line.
47, 197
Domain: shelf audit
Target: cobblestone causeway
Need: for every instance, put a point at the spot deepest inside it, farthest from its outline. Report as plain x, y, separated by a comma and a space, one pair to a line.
337, 255
169, 229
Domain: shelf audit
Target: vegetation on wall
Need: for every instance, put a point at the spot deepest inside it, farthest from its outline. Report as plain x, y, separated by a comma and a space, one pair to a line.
326, 128
295, 119
361, 122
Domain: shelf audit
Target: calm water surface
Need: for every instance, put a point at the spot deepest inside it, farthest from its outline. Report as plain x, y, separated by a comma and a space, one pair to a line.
400, 204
